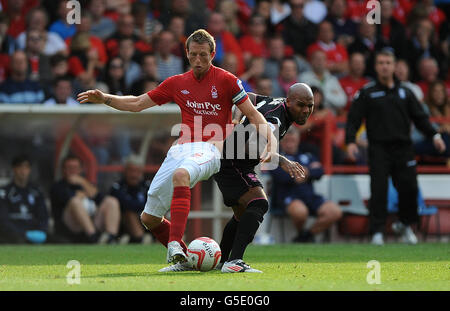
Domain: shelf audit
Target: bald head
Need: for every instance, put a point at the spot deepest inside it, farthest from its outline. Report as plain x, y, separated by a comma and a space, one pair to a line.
300, 90
300, 102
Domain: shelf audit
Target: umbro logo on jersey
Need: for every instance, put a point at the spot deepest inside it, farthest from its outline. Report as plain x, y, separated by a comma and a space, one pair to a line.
185, 92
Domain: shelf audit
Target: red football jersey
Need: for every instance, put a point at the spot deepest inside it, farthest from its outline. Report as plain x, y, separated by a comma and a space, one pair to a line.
202, 102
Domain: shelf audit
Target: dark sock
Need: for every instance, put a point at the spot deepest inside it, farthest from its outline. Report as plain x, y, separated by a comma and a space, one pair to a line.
247, 227
229, 233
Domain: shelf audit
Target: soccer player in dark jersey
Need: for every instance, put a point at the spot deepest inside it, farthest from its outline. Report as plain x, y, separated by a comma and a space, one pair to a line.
239, 183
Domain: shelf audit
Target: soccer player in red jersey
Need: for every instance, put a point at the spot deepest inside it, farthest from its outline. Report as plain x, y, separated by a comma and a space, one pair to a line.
205, 96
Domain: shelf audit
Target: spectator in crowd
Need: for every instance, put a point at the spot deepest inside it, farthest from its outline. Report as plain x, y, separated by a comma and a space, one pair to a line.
115, 76
288, 76
277, 52
177, 27
391, 30
264, 86
84, 61
39, 64
254, 72
436, 105
146, 27
59, 67
18, 88
62, 90
422, 44
427, 9
254, 44
319, 76
299, 199
125, 29
192, 12
230, 64
230, 9
367, 42
279, 10
23, 213
79, 210
37, 19
101, 27
7, 43
149, 72
345, 29
127, 53
225, 41
296, 24
428, 73
402, 74
313, 131
7, 46
16, 11
168, 64
148, 84
61, 26
96, 44
131, 192
355, 78
337, 57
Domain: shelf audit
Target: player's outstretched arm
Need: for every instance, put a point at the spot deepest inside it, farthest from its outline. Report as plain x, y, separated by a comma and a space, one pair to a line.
123, 103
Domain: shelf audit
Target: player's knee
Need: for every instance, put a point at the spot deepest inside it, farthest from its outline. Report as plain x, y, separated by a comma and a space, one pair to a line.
181, 177
258, 207
149, 221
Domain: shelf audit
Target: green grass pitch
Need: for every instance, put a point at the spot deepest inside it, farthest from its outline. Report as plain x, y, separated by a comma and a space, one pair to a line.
288, 267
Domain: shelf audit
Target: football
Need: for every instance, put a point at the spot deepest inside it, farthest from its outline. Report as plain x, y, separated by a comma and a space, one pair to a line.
204, 254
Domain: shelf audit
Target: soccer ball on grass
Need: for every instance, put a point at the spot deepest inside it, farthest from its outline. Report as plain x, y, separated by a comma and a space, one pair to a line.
204, 254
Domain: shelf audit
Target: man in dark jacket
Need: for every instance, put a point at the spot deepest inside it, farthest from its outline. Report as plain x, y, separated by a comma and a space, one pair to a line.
388, 108
23, 213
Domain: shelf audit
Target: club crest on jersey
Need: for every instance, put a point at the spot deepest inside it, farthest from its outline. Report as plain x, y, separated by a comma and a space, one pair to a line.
214, 93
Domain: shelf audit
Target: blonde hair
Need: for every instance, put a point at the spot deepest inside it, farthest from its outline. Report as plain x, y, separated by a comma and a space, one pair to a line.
201, 36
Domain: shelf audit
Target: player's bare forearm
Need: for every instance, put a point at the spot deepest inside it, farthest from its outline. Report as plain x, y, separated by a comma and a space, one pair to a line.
128, 103
123, 103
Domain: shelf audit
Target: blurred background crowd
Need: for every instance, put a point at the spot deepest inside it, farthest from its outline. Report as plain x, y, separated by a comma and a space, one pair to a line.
130, 46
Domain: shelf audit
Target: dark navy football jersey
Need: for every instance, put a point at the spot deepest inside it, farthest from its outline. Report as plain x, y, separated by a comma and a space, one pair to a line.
275, 112
277, 115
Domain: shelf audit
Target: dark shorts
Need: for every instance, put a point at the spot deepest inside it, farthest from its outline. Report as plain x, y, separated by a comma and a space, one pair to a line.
312, 202
234, 179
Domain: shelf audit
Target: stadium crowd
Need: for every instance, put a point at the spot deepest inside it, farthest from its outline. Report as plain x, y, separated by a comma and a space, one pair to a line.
129, 46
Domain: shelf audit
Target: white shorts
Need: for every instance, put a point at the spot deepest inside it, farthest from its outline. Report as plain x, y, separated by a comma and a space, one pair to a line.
200, 159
